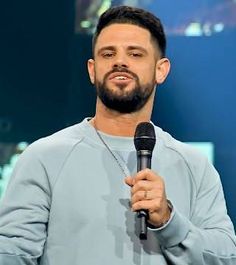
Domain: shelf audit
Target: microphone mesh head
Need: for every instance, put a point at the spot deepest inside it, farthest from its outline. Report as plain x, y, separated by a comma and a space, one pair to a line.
144, 137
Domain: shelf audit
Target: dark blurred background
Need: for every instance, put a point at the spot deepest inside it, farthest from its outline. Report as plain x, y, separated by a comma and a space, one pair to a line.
44, 83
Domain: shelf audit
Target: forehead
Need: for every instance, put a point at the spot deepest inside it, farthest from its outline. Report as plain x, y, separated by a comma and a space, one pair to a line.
125, 35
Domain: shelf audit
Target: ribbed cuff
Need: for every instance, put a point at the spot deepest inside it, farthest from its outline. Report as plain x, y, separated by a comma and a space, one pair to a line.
174, 231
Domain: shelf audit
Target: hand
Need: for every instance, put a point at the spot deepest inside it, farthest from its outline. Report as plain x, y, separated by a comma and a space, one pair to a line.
148, 193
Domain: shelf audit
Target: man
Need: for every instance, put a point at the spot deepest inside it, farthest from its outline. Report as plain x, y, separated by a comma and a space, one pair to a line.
68, 202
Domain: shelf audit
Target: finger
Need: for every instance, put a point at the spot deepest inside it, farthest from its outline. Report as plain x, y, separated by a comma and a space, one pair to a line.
146, 174
139, 196
143, 195
143, 185
149, 205
129, 181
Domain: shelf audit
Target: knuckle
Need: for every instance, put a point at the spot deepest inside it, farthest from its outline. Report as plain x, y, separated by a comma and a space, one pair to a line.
138, 205
134, 198
146, 170
138, 185
139, 195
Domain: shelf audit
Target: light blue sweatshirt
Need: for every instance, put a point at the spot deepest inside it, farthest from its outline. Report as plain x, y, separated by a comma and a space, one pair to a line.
67, 204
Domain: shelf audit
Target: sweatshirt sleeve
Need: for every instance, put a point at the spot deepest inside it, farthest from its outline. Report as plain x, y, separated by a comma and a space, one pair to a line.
207, 238
24, 212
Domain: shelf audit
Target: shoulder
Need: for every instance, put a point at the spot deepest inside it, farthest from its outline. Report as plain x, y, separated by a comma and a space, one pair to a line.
48, 155
54, 149
62, 141
185, 155
178, 148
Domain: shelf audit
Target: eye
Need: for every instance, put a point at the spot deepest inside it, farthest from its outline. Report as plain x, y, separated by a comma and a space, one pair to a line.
107, 54
136, 54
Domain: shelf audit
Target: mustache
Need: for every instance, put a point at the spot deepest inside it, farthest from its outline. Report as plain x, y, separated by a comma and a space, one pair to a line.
120, 70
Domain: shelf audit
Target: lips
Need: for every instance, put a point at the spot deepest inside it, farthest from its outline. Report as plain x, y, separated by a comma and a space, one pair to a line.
120, 76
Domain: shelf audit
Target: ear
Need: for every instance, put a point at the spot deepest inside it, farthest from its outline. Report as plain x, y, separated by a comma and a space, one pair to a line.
90, 66
162, 70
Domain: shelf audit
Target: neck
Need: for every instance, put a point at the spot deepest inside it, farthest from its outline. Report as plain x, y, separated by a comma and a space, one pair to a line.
118, 124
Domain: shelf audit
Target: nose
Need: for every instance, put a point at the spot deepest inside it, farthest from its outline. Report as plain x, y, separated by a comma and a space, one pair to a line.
119, 65
120, 60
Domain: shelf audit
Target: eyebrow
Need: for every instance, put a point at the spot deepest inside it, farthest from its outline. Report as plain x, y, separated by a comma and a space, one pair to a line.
137, 47
130, 48
110, 48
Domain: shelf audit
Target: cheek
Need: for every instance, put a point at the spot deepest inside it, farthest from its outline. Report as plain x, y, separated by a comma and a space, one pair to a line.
147, 74
100, 72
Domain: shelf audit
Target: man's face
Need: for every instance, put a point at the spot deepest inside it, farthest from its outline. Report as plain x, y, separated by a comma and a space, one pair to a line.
124, 67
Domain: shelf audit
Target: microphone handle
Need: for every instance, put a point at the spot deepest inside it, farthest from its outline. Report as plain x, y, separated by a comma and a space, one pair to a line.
143, 161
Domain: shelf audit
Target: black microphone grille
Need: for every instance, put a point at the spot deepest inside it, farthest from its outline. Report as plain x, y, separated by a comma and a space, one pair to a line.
144, 137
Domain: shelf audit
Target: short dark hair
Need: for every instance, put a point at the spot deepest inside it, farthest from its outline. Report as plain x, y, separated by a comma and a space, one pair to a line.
134, 16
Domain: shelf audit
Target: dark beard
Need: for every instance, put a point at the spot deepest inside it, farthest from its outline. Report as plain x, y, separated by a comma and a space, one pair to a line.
127, 102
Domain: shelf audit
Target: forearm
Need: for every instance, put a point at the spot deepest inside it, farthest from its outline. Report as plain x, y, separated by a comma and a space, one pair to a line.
183, 243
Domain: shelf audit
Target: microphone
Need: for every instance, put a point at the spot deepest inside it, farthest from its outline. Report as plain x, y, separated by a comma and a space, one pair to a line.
144, 141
